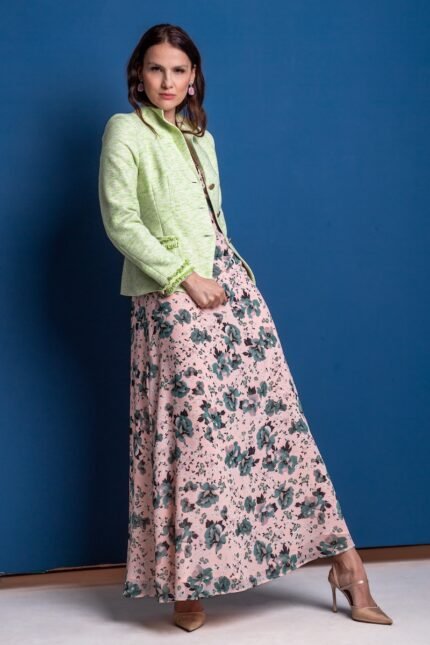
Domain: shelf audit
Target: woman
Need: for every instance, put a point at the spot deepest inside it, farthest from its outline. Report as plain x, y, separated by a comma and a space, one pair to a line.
227, 487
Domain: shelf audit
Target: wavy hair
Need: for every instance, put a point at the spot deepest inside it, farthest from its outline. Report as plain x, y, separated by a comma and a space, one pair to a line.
191, 107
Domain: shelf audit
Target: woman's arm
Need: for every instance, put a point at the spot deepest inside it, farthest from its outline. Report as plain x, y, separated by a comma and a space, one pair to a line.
121, 211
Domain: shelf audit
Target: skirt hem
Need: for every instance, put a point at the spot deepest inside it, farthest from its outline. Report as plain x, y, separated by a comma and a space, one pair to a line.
244, 587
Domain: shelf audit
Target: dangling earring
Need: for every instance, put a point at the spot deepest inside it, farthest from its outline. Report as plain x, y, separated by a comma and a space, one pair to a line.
140, 87
191, 90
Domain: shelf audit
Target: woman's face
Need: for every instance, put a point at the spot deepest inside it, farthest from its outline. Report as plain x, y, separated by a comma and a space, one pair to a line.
166, 70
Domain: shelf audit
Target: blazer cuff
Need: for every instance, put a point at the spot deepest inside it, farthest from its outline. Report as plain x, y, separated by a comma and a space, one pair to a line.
180, 274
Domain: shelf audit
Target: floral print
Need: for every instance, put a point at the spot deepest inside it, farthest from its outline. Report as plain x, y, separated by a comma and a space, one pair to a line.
227, 487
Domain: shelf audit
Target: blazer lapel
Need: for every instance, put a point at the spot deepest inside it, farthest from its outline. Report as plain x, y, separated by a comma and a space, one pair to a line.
179, 141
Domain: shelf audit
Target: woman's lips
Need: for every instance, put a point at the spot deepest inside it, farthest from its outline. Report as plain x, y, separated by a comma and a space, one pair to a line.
168, 96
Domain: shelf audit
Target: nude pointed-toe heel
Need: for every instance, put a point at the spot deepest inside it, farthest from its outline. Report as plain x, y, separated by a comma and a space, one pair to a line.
372, 614
189, 620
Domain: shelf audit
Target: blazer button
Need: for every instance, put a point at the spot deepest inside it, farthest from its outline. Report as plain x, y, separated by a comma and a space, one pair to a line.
211, 186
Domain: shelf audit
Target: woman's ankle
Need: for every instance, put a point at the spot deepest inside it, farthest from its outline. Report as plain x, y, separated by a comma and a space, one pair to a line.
188, 605
348, 562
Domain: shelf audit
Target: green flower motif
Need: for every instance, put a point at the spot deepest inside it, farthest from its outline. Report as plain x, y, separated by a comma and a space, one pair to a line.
249, 504
214, 536
152, 370
207, 497
266, 337
273, 407
138, 521
266, 512
235, 361
269, 462
244, 527
332, 545
264, 438
161, 312
319, 477
183, 316
247, 462
288, 562
131, 590
285, 496
216, 271
196, 583
263, 389
249, 406
228, 292
230, 397
218, 252
251, 307
298, 426
204, 575
167, 490
255, 351
233, 455
200, 336
221, 367
141, 318
190, 371
174, 454
222, 585
262, 551
180, 388
183, 427
163, 592
273, 571
258, 345
217, 420
232, 336
165, 329
307, 509
199, 388
286, 460
321, 517
190, 485
161, 550
186, 506
209, 434
244, 460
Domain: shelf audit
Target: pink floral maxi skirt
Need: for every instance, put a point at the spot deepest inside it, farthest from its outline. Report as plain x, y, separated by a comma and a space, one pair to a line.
227, 487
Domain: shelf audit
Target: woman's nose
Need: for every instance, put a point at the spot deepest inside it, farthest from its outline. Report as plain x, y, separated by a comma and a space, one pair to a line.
167, 82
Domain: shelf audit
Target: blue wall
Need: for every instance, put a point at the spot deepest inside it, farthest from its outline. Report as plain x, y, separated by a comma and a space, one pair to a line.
321, 116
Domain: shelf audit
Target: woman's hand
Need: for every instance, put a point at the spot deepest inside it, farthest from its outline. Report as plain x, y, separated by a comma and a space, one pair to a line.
206, 292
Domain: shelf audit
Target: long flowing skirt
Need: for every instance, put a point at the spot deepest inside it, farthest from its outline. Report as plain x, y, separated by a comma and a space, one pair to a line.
227, 487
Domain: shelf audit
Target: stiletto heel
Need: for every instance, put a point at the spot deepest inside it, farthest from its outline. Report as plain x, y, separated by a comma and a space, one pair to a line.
372, 614
333, 591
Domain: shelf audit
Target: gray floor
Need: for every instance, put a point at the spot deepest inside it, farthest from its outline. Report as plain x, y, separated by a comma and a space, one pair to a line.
294, 609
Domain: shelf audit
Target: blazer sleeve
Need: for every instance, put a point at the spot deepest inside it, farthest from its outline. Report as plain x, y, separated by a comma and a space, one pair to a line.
120, 209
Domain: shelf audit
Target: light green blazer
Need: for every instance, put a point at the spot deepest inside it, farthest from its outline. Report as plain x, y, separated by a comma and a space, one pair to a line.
152, 203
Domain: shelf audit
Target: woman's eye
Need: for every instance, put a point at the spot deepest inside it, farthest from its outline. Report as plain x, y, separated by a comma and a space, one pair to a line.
181, 71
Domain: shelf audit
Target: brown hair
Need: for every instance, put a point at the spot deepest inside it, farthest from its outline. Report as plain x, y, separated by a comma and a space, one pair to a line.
191, 106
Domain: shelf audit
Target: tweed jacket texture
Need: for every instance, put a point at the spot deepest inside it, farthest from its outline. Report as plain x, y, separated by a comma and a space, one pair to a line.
153, 208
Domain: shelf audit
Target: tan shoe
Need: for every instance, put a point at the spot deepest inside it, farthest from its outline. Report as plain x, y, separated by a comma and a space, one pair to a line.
189, 620
372, 614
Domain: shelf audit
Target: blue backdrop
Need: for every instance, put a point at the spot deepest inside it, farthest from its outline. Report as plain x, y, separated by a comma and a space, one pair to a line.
326, 105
